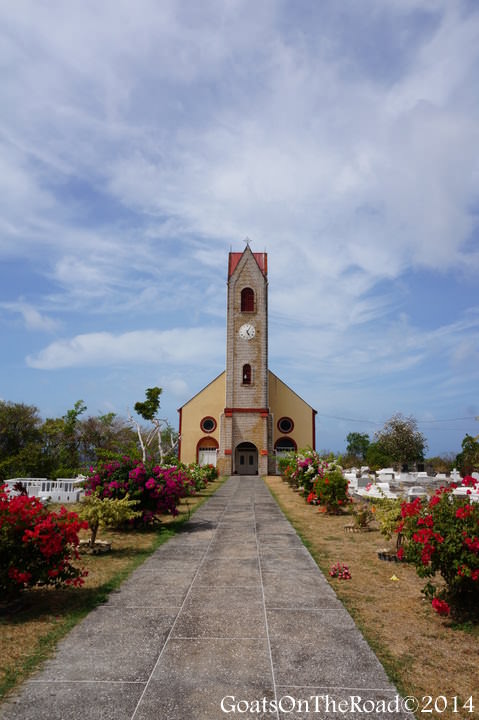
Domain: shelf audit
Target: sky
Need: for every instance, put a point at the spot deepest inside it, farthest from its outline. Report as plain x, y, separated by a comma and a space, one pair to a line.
141, 141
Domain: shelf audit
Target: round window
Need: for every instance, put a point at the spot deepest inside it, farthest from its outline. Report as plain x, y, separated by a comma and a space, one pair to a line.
208, 424
285, 425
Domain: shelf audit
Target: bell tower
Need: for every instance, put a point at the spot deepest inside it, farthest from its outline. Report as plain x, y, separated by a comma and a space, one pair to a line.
246, 424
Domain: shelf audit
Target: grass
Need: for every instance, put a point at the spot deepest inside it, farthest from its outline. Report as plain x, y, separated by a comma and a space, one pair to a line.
422, 653
30, 631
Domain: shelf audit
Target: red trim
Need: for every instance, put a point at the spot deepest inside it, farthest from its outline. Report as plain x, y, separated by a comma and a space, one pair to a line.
285, 432
180, 411
208, 417
261, 411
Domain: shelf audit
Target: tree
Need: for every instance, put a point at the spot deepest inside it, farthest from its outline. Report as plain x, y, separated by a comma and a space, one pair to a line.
71, 439
61, 442
376, 458
166, 438
401, 440
441, 463
358, 444
20, 439
468, 460
105, 437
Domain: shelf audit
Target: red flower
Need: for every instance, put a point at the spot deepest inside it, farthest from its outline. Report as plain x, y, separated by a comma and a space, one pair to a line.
441, 607
464, 511
411, 509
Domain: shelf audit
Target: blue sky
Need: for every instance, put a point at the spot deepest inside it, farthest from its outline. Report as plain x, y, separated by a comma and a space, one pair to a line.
139, 142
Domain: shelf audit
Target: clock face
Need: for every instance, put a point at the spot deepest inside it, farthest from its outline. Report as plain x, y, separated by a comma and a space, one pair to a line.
247, 331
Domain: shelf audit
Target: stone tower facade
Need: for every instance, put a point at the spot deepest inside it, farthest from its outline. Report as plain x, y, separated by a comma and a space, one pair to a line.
246, 430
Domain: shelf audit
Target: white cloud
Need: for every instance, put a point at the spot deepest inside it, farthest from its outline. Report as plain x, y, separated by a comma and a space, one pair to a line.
32, 317
291, 150
167, 347
177, 387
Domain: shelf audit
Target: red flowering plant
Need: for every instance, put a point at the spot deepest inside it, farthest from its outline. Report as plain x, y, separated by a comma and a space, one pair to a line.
37, 546
331, 487
158, 490
340, 571
441, 535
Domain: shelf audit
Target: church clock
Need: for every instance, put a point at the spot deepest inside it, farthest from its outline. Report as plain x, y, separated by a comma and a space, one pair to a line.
247, 331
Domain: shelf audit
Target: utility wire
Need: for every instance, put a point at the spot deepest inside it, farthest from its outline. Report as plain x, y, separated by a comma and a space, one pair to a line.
380, 422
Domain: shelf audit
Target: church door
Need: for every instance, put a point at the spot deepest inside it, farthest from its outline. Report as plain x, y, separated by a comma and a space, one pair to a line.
246, 459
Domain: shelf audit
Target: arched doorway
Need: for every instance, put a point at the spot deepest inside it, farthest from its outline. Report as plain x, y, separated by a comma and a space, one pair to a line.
246, 459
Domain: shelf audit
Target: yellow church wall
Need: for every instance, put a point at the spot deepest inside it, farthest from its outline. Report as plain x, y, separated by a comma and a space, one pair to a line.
284, 402
209, 402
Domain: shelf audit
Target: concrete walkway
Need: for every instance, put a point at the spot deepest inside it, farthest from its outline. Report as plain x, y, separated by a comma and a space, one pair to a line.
226, 619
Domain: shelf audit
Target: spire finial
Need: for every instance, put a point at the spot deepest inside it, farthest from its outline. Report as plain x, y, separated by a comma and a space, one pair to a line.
247, 240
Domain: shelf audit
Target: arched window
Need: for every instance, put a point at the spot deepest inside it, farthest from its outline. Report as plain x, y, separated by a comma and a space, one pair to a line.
247, 374
247, 300
206, 451
284, 445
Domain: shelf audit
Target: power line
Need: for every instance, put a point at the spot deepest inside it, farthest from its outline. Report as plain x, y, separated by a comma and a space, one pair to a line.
336, 417
380, 422
422, 422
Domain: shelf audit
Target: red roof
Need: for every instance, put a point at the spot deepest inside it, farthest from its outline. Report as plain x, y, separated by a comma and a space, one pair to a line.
235, 257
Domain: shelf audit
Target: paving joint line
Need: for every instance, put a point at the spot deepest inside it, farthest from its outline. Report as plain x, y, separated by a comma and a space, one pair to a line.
176, 618
265, 613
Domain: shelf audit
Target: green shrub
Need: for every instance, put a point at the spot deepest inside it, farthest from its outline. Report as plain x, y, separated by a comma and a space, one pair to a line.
331, 487
201, 475
388, 514
106, 512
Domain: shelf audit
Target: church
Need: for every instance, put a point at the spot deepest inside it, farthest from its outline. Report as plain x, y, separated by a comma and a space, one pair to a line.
245, 418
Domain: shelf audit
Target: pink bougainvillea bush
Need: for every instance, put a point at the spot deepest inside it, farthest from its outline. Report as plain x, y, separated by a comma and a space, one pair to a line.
320, 481
157, 489
37, 546
441, 535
